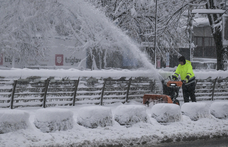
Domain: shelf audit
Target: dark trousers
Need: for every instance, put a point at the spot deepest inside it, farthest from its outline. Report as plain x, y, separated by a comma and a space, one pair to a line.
189, 91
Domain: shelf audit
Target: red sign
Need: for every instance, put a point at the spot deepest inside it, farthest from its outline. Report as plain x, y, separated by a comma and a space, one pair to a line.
159, 62
1, 59
59, 59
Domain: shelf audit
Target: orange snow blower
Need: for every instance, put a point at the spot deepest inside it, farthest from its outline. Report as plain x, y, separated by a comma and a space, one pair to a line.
170, 90
173, 90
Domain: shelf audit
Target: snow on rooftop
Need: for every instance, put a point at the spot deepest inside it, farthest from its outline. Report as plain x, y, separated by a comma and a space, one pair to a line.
208, 11
201, 22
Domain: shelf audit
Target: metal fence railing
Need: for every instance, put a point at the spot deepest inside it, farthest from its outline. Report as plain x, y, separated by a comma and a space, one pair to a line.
37, 92
50, 92
210, 89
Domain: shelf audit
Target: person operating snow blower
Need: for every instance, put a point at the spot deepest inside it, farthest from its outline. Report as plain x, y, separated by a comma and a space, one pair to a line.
185, 71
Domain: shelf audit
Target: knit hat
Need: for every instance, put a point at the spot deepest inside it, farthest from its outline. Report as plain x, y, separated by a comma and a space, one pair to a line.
182, 59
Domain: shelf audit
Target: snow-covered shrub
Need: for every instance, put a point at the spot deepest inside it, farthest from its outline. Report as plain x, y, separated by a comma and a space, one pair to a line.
166, 113
12, 120
195, 111
53, 119
130, 114
94, 116
219, 110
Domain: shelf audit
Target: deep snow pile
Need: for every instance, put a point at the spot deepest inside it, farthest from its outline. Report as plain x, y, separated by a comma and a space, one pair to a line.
113, 133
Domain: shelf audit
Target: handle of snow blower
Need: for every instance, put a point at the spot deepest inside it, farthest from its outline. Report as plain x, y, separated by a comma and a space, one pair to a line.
174, 83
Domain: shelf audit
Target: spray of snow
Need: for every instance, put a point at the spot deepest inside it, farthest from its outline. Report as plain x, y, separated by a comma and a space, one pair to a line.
92, 17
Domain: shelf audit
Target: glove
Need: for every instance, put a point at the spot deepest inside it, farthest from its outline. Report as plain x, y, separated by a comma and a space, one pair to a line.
174, 77
186, 79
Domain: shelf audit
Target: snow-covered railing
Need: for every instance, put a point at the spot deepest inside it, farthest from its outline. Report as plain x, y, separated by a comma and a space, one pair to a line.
38, 92
210, 89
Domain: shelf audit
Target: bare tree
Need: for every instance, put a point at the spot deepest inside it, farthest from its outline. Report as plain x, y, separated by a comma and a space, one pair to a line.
215, 21
137, 19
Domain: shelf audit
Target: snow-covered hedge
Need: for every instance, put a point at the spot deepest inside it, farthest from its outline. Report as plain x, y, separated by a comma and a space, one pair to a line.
219, 110
195, 111
166, 113
53, 119
12, 120
130, 114
94, 116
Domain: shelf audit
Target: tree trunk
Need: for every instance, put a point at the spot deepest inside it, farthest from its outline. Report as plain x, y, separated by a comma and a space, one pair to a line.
217, 34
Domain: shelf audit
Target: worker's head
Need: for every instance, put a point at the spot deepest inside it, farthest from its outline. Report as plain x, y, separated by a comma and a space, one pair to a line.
182, 60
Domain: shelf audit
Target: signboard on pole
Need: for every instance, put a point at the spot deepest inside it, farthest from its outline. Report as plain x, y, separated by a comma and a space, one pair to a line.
1, 59
167, 59
225, 30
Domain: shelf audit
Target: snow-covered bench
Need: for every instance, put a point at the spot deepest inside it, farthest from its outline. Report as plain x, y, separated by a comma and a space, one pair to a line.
195, 111
94, 116
53, 119
166, 112
13, 120
219, 110
130, 114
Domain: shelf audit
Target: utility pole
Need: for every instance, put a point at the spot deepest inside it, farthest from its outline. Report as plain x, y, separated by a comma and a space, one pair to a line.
155, 37
190, 31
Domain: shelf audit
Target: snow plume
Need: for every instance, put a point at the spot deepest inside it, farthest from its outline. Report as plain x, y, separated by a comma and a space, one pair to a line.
28, 29
98, 30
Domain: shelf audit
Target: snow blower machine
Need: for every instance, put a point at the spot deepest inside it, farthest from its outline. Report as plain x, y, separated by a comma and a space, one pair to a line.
170, 94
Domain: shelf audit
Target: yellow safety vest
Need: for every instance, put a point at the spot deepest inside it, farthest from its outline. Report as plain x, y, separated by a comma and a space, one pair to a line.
184, 70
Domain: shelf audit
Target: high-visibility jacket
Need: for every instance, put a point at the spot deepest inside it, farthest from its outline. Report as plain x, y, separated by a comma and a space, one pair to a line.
184, 71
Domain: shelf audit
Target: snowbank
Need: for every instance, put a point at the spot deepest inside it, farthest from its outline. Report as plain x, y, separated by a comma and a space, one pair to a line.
72, 73
139, 134
12, 120
219, 110
130, 114
53, 119
94, 116
166, 113
195, 111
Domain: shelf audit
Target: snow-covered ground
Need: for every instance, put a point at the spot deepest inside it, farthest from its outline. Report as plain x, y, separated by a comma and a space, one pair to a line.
139, 132
130, 124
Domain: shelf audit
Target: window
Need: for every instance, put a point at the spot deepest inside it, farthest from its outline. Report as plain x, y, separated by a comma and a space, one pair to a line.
199, 41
